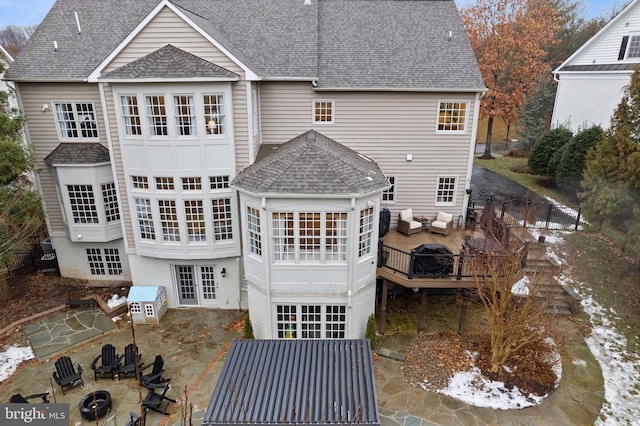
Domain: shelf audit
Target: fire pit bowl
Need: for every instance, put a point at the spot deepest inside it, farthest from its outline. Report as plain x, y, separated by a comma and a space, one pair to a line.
95, 405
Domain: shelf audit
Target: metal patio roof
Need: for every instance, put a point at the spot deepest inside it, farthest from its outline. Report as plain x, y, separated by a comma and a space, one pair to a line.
302, 382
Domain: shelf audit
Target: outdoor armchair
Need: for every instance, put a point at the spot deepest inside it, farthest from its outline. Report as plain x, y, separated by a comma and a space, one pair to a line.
407, 224
110, 362
128, 366
155, 377
442, 224
67, 374
154, 400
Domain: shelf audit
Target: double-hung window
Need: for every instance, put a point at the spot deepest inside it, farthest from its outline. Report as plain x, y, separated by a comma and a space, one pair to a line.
131, 115
76, 120
214, 115
446, 191
110, 199
389, 195
365, 237
254, 231
222, 218
156, 115
452, 116
184, 115
145, 218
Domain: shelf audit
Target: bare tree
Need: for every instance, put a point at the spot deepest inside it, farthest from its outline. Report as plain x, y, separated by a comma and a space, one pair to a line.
14, 37
514, 303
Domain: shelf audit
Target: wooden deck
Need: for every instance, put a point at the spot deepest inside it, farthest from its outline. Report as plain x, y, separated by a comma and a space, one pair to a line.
397, 260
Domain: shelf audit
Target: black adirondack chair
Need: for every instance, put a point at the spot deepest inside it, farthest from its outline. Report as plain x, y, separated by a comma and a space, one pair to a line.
155, 401
67, 374
110, 362
134, 419
18, 398
155, 377
128, 366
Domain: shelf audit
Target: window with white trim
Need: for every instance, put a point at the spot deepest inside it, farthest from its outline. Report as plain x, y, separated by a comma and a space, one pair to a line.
309, 236
76, 120
323, 111
446, 191
222, 223
145, 218
301, 321
164, 184
194, 217
184, 115
139, 182
191, 183
452, 116
389, 195
110, 198
219, 182
633, 49
336, 237
169, 220
83, 204
208, 281
156, 115
365, 234
130, 115
254, 232
104, 261
135, 308
214, 116
335, 321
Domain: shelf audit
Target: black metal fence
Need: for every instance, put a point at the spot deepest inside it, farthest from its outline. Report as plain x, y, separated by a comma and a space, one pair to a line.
32, 262
523, 213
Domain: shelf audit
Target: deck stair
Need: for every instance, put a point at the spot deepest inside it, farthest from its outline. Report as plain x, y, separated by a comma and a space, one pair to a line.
563, 301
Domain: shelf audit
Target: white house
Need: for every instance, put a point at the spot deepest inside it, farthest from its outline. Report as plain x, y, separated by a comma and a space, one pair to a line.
5, 86
152, 121
593, 80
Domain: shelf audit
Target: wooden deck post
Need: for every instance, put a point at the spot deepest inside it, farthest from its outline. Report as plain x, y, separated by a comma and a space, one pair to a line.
423, 309
383, 306
463, 310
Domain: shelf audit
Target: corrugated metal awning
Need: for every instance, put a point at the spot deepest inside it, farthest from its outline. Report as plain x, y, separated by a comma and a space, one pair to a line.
302, 382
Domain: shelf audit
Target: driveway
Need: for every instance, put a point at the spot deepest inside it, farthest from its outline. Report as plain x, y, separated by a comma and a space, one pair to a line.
485, 182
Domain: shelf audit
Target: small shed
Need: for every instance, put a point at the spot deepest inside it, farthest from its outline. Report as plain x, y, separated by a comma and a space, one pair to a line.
301, 382
147, 304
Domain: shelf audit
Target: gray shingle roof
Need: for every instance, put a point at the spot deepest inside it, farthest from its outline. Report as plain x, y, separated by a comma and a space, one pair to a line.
301, 382
312, 164
393, 44
169, 62
78, 153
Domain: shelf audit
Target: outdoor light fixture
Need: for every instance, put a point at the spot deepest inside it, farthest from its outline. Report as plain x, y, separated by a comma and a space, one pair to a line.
223, 272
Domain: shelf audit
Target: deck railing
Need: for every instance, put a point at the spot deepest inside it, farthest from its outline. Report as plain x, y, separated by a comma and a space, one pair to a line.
425, 265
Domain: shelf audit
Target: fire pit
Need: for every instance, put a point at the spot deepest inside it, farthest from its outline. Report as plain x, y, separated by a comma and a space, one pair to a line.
95, 405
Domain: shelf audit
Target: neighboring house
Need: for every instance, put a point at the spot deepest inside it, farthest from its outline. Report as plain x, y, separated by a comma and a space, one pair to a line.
153, 123
592, 81
6, 86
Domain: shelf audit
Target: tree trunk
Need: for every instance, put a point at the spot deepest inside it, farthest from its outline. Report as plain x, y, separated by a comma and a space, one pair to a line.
487, 148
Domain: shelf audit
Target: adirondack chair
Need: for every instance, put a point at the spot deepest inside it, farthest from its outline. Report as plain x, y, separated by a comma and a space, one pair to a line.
67, 374
128, 366
18, 398
155, 377
110, 362
154, 401
135, 419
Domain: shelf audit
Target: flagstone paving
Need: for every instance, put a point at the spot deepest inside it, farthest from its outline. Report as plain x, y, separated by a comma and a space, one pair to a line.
193, 343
